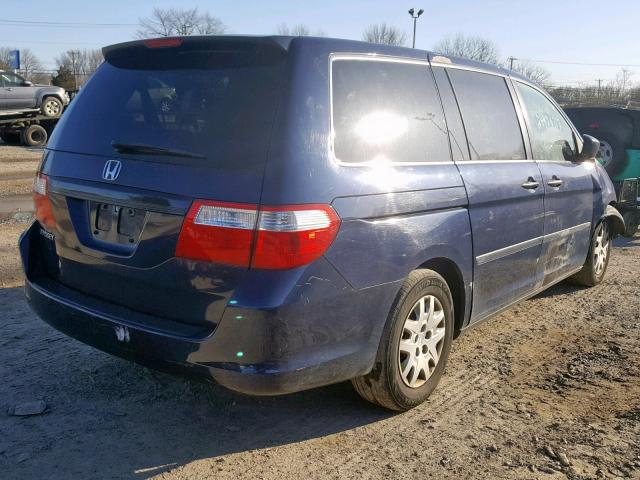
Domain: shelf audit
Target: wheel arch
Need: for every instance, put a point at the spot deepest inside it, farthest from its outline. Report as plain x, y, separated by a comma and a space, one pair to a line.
452, 274
43, 95
615, 219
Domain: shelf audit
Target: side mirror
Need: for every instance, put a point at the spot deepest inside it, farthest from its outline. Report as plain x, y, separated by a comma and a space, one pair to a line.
590, 147
27, 83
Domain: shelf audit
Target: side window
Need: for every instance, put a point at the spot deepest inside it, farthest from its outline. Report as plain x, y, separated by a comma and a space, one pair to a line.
387, 112
459, 147
551, 136
489, 116
11, 80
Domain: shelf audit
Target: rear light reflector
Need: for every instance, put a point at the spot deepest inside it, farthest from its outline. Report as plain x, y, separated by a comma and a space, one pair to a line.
41, 201
270, 237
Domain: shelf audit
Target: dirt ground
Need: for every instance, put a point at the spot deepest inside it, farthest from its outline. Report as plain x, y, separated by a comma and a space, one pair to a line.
17, 166
548, 389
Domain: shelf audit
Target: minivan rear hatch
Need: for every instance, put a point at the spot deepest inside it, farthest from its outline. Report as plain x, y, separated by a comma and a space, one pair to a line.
160, 123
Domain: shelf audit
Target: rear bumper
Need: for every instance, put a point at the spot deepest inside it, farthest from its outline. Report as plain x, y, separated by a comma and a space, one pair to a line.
313, 337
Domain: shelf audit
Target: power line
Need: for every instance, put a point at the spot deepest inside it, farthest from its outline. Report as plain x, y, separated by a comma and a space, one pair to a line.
64, 24
14, 42
61, 26
585, 63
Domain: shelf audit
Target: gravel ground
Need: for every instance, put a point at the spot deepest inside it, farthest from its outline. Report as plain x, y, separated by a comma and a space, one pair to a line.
548, 389
17, 167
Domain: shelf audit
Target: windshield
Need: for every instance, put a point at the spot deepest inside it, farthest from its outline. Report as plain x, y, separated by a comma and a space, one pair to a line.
215, 104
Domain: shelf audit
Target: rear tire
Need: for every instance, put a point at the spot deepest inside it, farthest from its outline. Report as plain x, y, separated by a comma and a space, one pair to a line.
51, 107
34, 136
595, 266
415, 345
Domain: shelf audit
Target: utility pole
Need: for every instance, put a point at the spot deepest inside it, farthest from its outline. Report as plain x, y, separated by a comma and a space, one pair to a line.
599, 80
511, 60
415, 15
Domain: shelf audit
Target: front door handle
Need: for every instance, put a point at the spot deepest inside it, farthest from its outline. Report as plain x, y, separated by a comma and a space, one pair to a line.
554, 182
530, 184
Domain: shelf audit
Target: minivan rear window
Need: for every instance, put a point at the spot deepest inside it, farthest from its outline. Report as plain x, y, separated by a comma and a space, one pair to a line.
387, 111
215, 103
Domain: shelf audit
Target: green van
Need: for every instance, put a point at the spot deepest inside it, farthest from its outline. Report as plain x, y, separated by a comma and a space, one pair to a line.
618, 130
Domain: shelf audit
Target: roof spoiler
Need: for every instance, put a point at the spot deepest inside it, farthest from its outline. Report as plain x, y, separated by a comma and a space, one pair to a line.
199, 42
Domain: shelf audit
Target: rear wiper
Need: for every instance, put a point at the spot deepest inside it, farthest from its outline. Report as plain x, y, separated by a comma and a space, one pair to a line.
138, 149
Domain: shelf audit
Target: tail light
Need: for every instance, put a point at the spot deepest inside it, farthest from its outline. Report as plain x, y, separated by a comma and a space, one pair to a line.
218, 232
293, 235
41, 201
266, 237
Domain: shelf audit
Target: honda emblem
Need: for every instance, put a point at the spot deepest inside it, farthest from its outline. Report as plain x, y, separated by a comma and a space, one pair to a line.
111, 169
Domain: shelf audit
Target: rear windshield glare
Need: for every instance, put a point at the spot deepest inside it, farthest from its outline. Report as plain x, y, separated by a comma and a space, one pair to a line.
217, 103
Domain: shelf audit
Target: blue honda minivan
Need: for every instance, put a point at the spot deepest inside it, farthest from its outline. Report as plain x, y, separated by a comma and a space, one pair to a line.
276, 213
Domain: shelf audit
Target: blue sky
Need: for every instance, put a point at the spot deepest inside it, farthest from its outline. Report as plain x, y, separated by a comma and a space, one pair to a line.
588, 31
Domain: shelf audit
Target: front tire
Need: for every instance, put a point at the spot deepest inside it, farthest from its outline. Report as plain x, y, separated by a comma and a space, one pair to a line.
51, 107
415, 345
595, 266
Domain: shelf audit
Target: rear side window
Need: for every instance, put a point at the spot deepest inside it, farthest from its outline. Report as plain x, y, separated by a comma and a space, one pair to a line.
387, 112
489, 116
217, 101
550, 134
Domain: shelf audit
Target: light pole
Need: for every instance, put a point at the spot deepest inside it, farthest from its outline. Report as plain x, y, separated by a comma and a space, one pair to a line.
415, 16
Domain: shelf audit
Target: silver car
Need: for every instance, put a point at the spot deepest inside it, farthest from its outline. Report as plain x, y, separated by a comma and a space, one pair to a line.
18, 95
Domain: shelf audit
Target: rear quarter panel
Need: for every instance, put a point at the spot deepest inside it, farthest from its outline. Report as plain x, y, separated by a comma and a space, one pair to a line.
394, 218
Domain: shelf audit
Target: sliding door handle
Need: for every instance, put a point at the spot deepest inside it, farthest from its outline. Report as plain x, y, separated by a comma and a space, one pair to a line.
530, 184
554, 182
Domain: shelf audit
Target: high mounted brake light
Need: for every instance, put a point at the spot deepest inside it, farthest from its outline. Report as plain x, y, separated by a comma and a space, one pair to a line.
41, 201
168, 42
267, 237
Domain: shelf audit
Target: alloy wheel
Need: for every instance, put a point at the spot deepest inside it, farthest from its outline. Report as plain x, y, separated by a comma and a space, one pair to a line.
421, 341
601, 249
52, 108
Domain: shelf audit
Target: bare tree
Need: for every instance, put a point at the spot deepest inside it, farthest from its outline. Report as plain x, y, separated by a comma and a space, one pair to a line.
179, 21
622, 82
30, 65
300, 30
4, 57
535, 73
470, 47
81, 63
93, 59
385, 34
71, 60
620, 91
